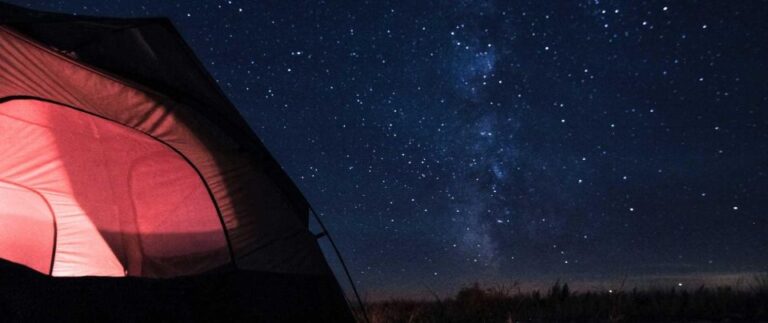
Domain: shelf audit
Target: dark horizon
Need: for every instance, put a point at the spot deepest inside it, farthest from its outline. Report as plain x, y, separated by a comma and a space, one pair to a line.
452, 142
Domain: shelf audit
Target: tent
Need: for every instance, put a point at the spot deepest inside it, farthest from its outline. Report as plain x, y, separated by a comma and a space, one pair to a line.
120, 157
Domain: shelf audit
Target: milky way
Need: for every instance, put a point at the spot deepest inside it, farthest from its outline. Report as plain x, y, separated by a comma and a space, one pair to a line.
447, 142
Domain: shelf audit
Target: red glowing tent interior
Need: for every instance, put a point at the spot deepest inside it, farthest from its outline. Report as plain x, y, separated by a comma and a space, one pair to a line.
122, 157
122, 160
93, 197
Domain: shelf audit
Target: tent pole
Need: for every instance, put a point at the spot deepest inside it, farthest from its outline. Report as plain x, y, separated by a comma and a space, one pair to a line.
343, 264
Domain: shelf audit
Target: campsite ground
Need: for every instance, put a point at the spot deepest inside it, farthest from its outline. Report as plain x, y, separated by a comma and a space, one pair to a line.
559, 304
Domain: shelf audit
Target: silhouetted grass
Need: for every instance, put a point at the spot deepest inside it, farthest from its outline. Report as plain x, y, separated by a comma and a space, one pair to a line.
560, 304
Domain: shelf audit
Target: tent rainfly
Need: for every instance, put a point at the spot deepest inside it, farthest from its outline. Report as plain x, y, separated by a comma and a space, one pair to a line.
121, 157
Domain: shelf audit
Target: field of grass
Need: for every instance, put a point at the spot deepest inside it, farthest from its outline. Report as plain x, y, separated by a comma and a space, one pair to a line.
560, 304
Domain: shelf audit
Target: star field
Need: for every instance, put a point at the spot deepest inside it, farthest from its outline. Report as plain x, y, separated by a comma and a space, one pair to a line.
446, 142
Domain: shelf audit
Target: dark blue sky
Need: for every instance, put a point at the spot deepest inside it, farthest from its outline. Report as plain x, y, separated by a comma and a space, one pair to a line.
447, 142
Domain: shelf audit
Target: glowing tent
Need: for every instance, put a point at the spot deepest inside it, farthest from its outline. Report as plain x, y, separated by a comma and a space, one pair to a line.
121, 157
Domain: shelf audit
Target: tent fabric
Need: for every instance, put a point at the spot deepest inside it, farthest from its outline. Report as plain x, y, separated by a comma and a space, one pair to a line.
30, 213
147, 169
150, 52
122, 202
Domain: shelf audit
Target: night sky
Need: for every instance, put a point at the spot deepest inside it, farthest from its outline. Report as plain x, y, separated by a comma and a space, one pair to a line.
447, 142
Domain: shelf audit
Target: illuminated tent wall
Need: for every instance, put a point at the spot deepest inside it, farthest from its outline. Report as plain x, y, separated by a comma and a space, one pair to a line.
120, 156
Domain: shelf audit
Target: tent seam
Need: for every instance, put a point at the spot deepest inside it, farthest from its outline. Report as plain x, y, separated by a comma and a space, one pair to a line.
53, 218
